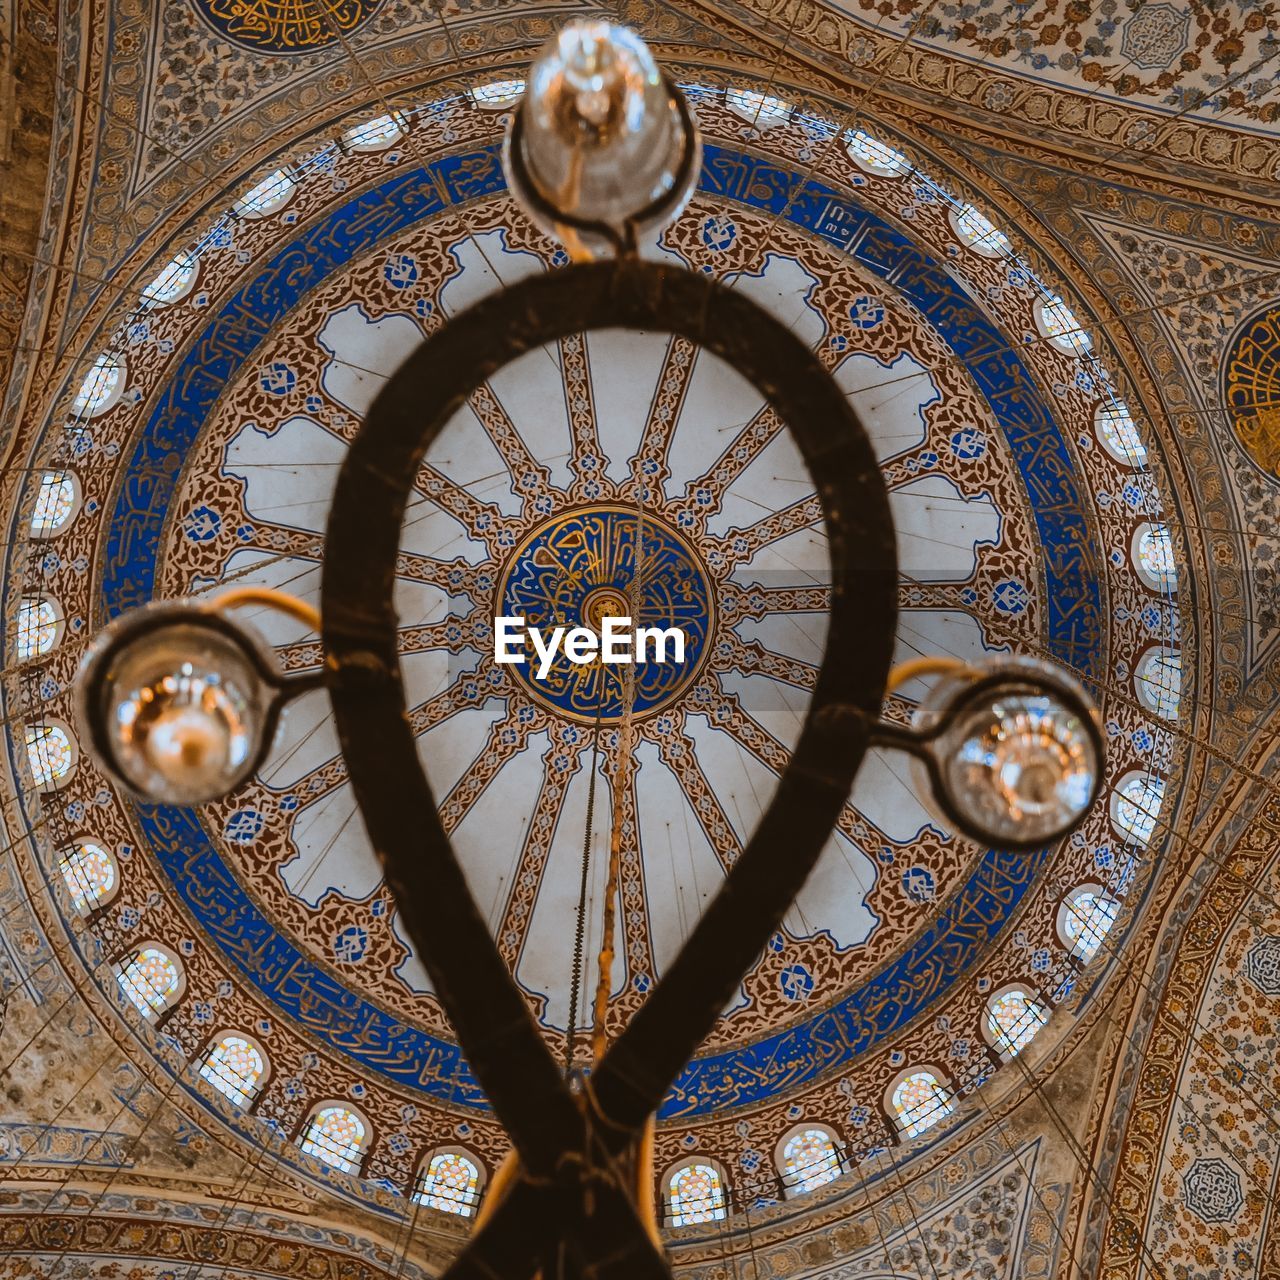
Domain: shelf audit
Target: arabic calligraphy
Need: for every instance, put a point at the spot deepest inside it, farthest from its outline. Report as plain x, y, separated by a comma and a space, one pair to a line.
567, 566
285, 26
1252, 389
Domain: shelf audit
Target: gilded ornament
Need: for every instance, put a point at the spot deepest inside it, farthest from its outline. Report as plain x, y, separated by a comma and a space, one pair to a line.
1251, 388
285, 26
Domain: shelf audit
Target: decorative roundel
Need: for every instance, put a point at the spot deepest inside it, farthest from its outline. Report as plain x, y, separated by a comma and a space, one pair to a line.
576, 571
525, 506
285, 26
1251, 388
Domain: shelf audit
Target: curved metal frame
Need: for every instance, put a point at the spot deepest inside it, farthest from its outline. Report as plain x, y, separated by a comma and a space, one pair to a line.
570, 1212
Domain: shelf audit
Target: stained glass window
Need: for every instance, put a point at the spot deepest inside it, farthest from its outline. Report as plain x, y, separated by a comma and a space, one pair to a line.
235, 1067
266, 196
877, 157
697, 1194
919, 1101
975, 230
1119, 433
50, 753
760, 109
56, 503
151, 979
1059, 324
497, 94
89, 872
1158, 680
175, 281
336, 1136
1135, 806
375, 134
101, 387
1086, 919
450, 1183
810, 1159
39, 624
1013, 1020
1153, 555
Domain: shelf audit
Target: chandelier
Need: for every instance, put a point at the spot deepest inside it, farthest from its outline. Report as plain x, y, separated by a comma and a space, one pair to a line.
180, 701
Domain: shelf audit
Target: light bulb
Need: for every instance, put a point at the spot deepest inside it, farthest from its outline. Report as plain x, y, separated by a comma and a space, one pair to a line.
602, 137
1017, 752
176, 703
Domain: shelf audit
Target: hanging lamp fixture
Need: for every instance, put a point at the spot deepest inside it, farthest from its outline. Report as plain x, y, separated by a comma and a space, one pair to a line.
180, 702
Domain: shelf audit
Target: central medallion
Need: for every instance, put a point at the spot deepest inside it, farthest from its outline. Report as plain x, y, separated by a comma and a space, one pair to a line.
599, 562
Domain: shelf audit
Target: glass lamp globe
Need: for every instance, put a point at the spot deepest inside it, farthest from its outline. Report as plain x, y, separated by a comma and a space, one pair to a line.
177, 703
600, 136
1016, 752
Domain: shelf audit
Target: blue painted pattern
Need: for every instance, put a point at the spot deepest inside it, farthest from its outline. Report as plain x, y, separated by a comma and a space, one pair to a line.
313, 998
285, 26
589, 557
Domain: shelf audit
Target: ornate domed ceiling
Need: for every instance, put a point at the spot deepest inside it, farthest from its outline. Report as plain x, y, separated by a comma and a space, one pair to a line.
206, 450
1012, 326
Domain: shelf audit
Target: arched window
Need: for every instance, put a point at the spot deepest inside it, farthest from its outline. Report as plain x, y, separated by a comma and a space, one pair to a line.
1119, 433
175, 281
1057, 322
450, 1181
102, 387
235, 1066
498, 94
808, 1157
57, 502
1152, 551
696, 1190
1158, 681
760, 109
39, 626
376, 134
876, 157
918, 1100
336, 1135
1084, 920
90, 874
1135, 805
151, 978
1014, 1018
271, 193
976, 231
51, 753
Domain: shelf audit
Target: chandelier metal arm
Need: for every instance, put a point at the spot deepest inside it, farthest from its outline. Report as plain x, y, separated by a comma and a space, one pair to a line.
494, 1026
514, 1242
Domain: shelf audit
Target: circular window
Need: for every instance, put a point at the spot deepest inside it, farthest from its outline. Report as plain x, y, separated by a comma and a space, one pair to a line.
174, 282
51, 754
376, 134
39, 626
57, 502
876, 157
1118, 433
90, 874
271, 193
1084, 920
1057, 322
102, 387
1152, 551
975, 231
1158, 681
1135, 805
1014, 1018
